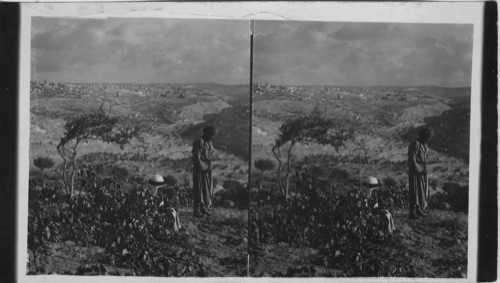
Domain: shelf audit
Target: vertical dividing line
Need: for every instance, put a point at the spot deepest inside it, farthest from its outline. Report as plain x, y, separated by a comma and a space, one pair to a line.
249, 217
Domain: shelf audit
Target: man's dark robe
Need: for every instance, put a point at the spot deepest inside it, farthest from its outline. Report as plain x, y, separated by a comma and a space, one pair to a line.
202, 174
417, 173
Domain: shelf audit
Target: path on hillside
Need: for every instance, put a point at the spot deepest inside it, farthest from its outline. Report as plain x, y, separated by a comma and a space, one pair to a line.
221, 239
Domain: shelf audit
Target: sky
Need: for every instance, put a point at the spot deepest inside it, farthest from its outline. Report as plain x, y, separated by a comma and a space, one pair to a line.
120, 50
363, 54
130, 50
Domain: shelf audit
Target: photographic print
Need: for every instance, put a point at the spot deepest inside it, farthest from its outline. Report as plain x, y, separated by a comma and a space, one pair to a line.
255, 139
138, 147
360, 148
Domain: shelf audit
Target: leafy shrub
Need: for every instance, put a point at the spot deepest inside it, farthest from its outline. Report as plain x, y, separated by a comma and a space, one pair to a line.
456, 195
397, 196
343, 226
389, 182
170, 180
184, 193
234, 192
327, 211
100, 157
264, 164
43, 163
182, 163
119, 173
131, 227
339, 174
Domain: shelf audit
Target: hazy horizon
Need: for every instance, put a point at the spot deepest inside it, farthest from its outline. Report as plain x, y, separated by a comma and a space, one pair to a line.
239, 84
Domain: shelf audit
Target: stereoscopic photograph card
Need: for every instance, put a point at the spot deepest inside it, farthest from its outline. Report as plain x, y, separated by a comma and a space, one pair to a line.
237, 141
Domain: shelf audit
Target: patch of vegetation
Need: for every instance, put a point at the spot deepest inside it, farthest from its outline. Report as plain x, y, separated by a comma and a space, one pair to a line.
130, 226
343, 226
182, 163
312, 128
264, 165
234, 194
170, 180
97, 125
454, 195
43, 163
118, 173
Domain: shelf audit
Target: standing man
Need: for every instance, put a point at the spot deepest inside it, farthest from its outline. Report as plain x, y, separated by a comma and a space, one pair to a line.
417, 173
202, 172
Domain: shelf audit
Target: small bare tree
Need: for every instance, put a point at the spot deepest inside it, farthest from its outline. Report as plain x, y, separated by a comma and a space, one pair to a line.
98, 125
314, 127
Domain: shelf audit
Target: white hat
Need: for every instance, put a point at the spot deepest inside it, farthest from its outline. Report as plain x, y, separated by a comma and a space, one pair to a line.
371, 182
156, 180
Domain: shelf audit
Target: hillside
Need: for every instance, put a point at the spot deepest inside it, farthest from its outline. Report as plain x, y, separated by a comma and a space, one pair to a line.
328, 227
233, 128
111, 226
384, 123
162, 112
451, 132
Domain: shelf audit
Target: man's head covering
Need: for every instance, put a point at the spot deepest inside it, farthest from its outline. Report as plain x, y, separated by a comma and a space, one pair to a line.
154, 183
371, 182
156, 180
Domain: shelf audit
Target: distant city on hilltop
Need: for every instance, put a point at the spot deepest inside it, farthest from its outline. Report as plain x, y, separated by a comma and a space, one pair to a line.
390, 93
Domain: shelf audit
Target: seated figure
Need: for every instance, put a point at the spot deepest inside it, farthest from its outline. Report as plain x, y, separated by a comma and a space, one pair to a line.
372, 190
157, 182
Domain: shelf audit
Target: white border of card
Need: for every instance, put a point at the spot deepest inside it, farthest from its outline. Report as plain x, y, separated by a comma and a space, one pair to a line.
424, 12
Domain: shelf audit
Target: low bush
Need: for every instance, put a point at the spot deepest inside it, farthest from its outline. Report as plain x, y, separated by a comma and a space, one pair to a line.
454, 195
397, 196
118, 173
234, 193
343, 226
130, 226
389, 182
43, 163
170, 180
